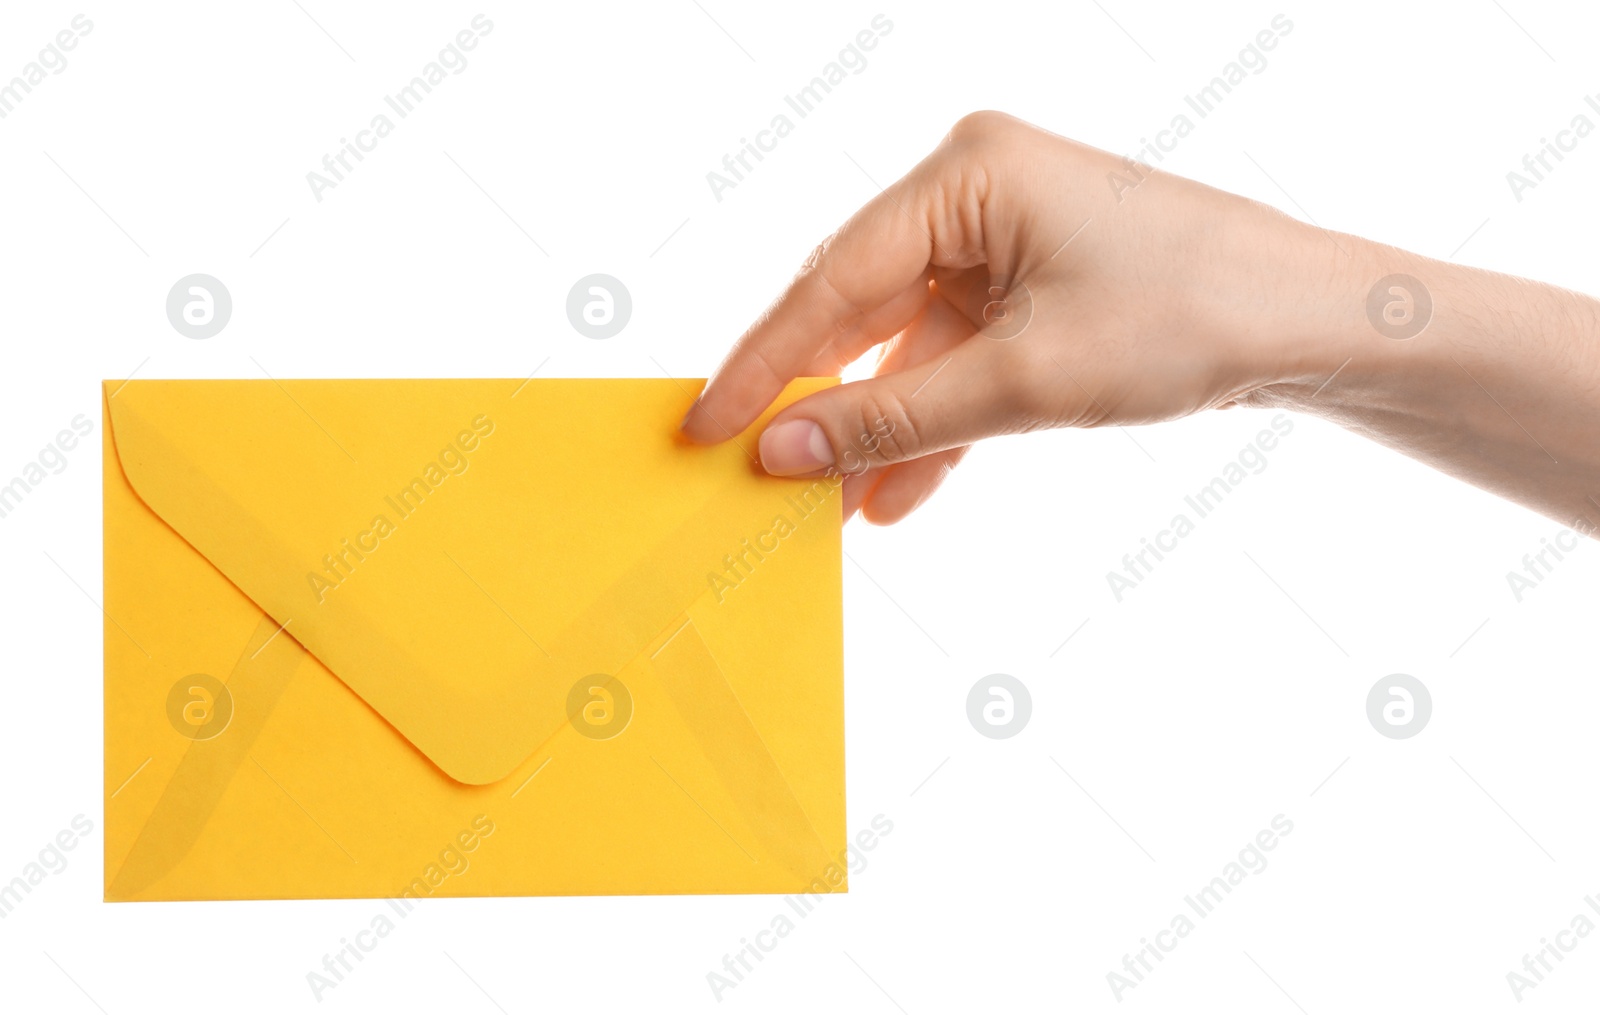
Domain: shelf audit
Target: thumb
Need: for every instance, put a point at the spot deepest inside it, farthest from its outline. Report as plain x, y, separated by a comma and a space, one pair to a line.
953, 400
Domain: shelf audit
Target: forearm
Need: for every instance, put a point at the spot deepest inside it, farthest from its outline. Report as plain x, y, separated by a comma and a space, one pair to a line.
1501, 388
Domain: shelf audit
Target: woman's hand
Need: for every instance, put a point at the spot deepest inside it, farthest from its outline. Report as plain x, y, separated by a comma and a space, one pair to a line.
1017, 280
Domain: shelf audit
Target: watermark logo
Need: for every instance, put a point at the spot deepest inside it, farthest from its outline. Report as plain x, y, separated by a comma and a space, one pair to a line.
52, 859
1252, 60
199, 306
1537, 965
199, 707
1399, 306
452, 60
51, 461
339, 566
599, 306
451, 862
999, 706
1137, 566
852, 60
52, 59
1250, 860
1003, 307
1536, 165
1536, 567
600, 706
738, 566
1399, 706
755, 948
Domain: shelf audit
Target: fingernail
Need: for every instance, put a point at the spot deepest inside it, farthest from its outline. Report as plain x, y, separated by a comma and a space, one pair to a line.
795, 447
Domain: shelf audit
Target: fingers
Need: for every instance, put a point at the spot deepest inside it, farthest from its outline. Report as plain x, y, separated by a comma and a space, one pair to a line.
875, 328
860, 286
937, 329
885, 495
859, 488
951, 400
905, 487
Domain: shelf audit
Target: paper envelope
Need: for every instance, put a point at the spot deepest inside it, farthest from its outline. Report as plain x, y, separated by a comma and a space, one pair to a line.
421, 638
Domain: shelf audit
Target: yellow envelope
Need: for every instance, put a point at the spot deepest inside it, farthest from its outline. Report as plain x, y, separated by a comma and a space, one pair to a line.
421, 638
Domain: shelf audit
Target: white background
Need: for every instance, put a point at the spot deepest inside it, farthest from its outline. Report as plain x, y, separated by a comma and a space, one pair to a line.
1418, 873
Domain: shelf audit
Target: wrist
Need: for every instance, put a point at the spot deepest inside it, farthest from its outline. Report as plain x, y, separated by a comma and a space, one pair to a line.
1486, 377
1358, 323
1285, 303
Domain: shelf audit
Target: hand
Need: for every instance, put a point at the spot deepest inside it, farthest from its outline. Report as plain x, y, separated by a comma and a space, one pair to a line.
1012, 289
1017, 280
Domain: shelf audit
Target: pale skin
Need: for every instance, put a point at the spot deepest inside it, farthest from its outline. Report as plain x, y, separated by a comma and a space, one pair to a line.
1140, 297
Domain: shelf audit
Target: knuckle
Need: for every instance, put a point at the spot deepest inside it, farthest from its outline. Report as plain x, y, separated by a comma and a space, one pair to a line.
814, 258
760, 356
811, 281
981, 126
847, 313
880, 432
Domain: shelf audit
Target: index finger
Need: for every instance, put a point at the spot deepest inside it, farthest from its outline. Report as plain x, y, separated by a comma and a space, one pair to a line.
860, 286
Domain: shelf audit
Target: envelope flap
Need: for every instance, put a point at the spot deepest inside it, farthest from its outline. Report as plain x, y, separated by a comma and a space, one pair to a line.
459, 552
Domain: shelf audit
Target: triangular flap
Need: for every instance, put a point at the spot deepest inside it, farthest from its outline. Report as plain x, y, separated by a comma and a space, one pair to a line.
458, 552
